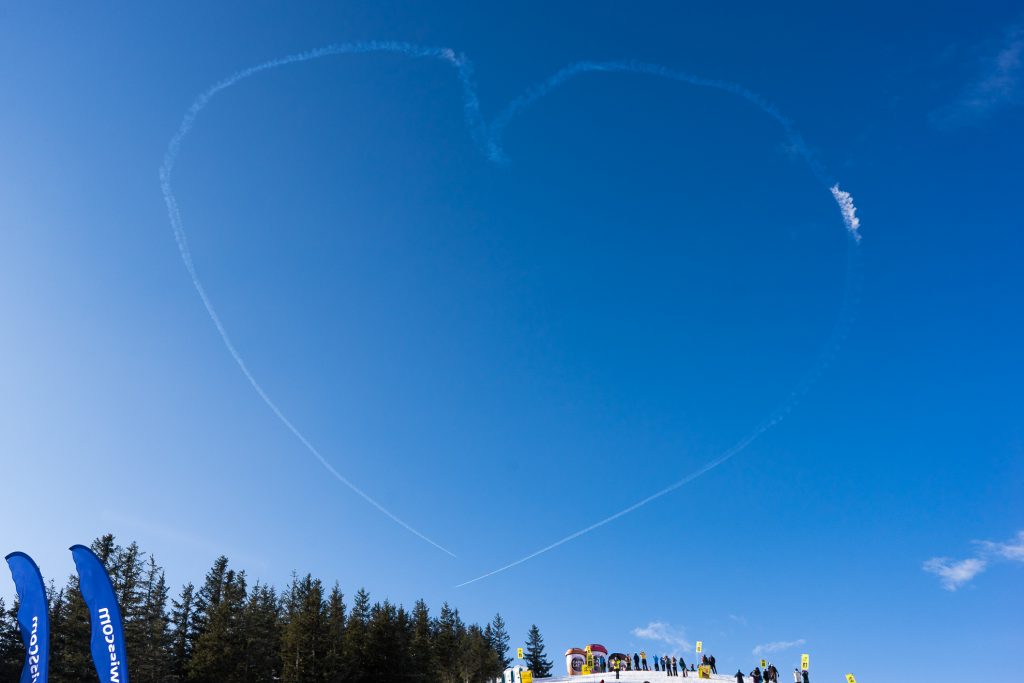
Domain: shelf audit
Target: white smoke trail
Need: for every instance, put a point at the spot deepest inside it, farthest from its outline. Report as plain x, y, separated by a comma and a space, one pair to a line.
842, 325
174, 214
488, 138
849, 211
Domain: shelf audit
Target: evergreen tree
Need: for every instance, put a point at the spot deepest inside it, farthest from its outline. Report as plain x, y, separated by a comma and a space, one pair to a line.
70, 659
335, 655
209, 595
499, 640
535, 658
182, 640
261, 626
12, 650
356, 669
150, 660
422, 659
478, 661
447, 642
218, 653
304, 633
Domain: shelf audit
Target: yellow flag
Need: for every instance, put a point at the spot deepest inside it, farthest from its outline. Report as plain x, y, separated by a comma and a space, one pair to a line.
586, 670
764, 664
850, 678
519, 652
700, 646
805, 662
526, 676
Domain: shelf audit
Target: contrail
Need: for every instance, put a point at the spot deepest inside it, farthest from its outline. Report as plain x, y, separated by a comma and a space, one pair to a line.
846, 207
488, 139
472, 117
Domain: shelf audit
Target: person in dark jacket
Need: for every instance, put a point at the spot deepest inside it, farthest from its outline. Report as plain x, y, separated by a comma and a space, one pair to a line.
739, 676
682, 665
655, 662
636, 662
711, 661
755, 675
675, 667
807, 677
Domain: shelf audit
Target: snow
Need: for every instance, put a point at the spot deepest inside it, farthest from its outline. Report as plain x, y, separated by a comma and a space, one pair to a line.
641, 676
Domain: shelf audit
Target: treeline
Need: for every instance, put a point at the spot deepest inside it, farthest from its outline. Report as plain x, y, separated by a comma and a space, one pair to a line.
228, 631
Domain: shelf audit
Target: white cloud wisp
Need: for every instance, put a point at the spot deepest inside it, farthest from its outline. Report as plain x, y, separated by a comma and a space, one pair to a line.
662, 632
954, 574
777, 646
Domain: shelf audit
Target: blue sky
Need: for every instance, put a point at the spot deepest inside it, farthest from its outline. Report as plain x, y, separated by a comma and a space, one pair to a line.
502, 354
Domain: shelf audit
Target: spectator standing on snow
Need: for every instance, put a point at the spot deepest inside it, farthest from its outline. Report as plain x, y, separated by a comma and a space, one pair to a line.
755, 675
711, 661
739, 676
643, 661
636, 662
675, 668
655, 658
797, 676
807, 677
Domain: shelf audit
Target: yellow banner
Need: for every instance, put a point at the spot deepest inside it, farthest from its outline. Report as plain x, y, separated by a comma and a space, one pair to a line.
519, 652
850, 678
586, 669
526, 676
805, 662
700, 646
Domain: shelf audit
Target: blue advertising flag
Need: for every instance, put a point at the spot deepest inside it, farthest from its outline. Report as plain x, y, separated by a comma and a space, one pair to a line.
33, 617
108, 651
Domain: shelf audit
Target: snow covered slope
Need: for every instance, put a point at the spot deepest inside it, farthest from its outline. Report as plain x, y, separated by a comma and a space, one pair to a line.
640, 677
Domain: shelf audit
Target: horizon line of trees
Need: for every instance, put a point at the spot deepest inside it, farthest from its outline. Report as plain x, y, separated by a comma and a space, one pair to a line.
227, 631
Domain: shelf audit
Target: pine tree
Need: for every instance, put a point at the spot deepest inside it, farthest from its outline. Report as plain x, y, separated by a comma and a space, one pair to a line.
209, 595
151, 657
261, 627
535, 658
12, 651
422, 659
478, 661
499, 640
70, 659
355, 639
447, 641
182, 640
304, 632
218, 654
335, 655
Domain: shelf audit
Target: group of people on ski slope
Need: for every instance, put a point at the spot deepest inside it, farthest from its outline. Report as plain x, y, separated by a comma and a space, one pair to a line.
771, 675
669, 664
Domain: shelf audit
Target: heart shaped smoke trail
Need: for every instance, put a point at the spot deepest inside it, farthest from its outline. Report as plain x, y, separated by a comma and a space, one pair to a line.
488, 138
186, 255
846, 207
